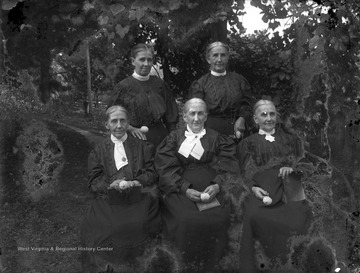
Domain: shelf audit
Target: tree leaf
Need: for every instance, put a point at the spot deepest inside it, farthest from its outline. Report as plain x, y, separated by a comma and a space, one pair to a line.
103, 20
110, 35
274, 24
174, 4
314, 41
122, 31
68, 8
353, 32
116, 8
136, 13
88, 6
192, 5
78, 20
324, 18
9, 4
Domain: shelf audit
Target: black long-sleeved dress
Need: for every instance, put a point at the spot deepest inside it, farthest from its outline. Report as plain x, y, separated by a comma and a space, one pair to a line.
272, 226
227, 98
200, 237
122, 224
149, 103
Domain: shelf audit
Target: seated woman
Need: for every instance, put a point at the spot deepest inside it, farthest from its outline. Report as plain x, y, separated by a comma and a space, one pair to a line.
124, 216
277, 209
193, 163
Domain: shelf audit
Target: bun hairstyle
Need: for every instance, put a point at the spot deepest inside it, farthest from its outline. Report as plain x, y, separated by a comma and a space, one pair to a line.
114, 108
141, 47
215, 44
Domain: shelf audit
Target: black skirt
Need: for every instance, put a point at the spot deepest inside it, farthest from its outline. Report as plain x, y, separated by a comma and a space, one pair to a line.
199, 237
119, 232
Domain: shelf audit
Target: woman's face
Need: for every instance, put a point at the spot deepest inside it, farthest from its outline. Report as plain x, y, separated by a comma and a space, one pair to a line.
143, 62
265, 116
117, 123
195, 116
218, 58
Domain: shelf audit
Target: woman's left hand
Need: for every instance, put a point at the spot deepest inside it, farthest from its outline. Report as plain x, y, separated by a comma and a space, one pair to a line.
285, 171
136, 183
239, 127
212, 190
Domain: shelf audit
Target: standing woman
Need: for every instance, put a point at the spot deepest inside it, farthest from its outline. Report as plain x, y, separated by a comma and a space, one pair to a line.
226, 94
148, 99
123, 219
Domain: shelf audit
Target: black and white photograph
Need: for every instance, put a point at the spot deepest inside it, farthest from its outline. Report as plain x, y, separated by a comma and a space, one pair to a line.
179, 136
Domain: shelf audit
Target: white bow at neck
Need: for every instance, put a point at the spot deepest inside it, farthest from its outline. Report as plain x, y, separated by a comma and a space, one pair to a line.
268, 135
192, 144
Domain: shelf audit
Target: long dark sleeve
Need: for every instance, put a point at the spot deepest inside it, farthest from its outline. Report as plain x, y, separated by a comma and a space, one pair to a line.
169, 167
98, 180
227, 163
247, 100
145, 171
171, 116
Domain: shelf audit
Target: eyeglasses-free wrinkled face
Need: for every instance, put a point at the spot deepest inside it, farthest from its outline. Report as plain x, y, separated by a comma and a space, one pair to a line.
196, 116
143, 62
117, 123
265, 116
218, 58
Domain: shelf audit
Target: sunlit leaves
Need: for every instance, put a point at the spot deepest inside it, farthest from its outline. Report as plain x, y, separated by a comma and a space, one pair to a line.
274, 24
280, 10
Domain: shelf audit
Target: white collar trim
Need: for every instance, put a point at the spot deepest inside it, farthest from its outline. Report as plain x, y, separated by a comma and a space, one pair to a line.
140, 78
217, 74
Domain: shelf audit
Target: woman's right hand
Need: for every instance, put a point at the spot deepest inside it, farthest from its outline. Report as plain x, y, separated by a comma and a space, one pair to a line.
115, 185
259, 192
136, 132
193, 195
119, 183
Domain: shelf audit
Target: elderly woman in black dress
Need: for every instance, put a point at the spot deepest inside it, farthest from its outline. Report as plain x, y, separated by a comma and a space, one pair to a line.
124, 218
277, 208
193, 164
226, 94
148, 99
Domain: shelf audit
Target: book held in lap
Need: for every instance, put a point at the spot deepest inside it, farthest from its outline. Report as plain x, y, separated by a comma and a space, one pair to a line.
208, 205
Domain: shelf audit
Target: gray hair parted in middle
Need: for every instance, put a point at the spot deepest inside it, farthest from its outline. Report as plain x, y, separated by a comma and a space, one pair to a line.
190, 101
114, 108
215, 44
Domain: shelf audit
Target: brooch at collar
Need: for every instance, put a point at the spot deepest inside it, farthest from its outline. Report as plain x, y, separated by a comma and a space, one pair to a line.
270, 138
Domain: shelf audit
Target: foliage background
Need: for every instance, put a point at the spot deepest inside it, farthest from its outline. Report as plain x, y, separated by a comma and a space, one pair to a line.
310, 70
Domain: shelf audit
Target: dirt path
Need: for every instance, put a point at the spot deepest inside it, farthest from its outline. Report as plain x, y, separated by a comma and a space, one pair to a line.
43, 236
